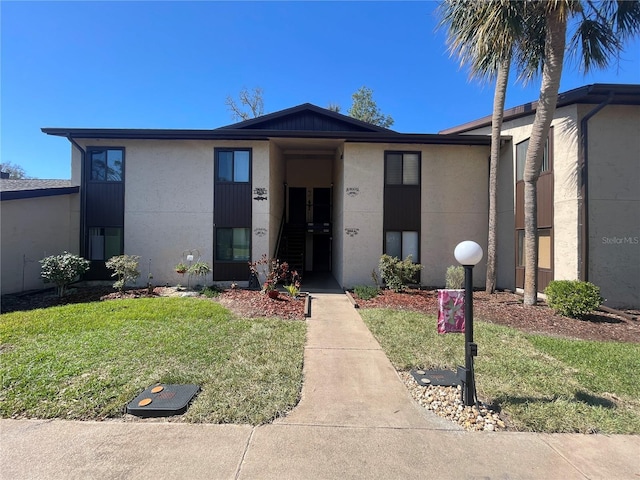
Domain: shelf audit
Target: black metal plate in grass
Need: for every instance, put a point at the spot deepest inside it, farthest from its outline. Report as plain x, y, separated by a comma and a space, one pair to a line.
163, 400
440, 378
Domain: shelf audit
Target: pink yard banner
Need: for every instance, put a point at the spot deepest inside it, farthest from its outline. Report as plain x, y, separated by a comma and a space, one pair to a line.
450, 311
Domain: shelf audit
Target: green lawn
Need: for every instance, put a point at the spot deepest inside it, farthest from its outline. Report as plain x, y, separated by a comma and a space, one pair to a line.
87, 361
542, 384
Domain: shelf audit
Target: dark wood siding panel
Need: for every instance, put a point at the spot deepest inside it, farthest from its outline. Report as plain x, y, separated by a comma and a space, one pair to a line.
402, 208
105, 204
232, 207
238, 271
520, 205
310, 121
545, 200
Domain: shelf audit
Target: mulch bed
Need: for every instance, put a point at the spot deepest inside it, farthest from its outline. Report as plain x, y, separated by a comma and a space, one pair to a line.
502, 308
506, 308
244, 303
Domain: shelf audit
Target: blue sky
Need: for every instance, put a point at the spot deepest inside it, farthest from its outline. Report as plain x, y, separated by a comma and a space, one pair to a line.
172, 65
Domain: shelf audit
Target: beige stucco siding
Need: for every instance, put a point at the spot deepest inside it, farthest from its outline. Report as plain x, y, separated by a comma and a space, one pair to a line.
453, 204
337, 266
362, 199
169, 188
33, 228
566, 195
614, 203
454, 207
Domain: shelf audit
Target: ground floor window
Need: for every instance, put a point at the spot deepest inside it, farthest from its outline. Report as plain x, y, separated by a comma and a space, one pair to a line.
232, 244
545, 259
105, 242
402, 244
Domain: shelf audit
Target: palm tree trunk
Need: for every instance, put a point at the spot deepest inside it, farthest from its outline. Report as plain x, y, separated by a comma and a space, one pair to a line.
499, 95
555, 41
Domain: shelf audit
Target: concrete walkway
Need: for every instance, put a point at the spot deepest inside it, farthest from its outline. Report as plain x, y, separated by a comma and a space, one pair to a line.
355, 421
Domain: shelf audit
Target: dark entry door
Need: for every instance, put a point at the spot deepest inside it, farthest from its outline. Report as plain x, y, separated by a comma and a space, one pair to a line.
321, 253
321, 205
297, 205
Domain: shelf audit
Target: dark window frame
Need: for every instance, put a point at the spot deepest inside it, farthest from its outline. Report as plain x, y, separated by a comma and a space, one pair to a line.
548, 150
233, 150
387, 153
89, 164
415, 260
217, 259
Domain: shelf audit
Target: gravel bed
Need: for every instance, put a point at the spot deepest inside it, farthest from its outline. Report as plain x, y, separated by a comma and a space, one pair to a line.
446, 402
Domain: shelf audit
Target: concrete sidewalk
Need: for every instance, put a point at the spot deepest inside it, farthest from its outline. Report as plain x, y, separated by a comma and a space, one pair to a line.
355, 421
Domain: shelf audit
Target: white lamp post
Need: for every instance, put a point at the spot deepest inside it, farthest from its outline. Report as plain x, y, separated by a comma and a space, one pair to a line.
468, 254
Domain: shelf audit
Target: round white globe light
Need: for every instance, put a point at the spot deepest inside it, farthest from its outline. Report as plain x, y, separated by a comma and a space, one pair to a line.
468, 253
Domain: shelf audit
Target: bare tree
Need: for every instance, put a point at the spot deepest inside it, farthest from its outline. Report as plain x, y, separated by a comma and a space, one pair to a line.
251, 104
14, 171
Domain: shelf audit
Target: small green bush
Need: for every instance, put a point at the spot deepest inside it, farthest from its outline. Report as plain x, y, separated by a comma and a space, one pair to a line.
366, 292
63, 269
573, 298
210, 292
125, 268
455, 277
396, 273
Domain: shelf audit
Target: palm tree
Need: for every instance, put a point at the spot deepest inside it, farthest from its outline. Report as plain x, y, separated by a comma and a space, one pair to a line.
601, 29
483, 35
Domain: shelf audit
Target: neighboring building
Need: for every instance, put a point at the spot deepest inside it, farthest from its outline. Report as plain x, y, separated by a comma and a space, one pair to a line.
319, 189
588, 191
329, 193
38, 218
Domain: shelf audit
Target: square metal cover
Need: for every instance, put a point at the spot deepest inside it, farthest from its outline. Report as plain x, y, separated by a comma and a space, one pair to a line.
163, 400
440, 378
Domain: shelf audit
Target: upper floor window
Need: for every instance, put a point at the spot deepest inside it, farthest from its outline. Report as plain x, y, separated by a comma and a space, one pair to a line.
233, 165
106, 164
521, 155
402, 168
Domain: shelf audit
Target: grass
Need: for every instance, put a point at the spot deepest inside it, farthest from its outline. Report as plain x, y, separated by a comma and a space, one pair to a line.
542, 384
87, 361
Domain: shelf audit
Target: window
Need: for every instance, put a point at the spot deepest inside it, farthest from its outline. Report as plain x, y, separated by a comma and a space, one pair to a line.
402, 244
106, 165
232, 244
521, 155
544, 249
402, 168
105, 242
233, 165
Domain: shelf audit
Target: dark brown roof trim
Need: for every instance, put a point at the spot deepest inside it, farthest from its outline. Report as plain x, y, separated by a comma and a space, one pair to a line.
35, 193
624, 94
265, 135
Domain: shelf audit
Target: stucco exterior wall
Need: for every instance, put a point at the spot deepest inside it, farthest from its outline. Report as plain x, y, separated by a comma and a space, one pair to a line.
454, 207
169, 201
33, 228
362, 199
453, 203
276, 200
614, 203
337, 266
566, 195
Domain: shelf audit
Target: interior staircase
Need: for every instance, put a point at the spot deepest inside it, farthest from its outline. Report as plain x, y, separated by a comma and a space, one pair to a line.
292, 246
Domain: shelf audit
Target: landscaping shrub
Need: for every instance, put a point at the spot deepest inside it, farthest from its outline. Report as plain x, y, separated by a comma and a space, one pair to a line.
366, 292
63, 269
210, 292
573, 298
396, 273
125, 268
455, 277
